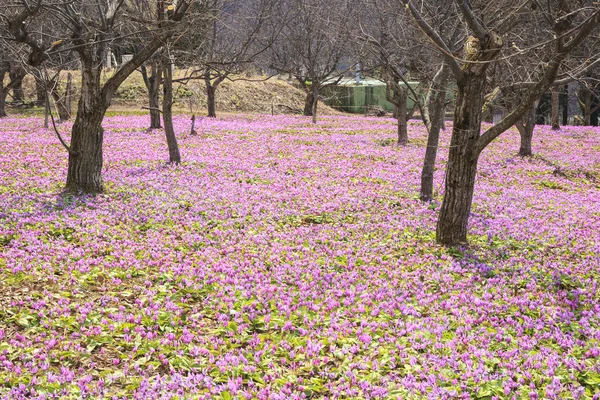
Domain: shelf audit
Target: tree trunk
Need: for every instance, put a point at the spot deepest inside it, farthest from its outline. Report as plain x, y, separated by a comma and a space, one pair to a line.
315, 101
68, 94
555, 109
565, 102
402, 97
153, 91
47, 113
63, 103
40, 89
434, 108
525, 127
587, 108
462, 162
3, 94
16, 78
210, 96
85, 159
167, 111
152, 83
308, 103
4, 69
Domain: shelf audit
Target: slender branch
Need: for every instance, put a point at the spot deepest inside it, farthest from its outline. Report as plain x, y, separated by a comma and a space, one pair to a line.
62, 141
436, 39
532, 95
480, 32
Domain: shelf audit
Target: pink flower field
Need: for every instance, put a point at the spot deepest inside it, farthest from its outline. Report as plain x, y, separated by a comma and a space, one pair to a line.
284, 260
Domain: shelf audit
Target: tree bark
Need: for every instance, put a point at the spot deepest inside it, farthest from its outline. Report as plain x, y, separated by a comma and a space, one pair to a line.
525, 127
434, 119
167, 109
308, 103
3, 91
555, 109
462, 162
402, 126
16, 79
85, 159
315, 101
152, 83
63, 103
40, 89
565, 110
587, 107
3, 95
210, 96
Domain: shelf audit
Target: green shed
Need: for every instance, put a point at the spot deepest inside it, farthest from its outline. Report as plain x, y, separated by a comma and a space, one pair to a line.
358, 97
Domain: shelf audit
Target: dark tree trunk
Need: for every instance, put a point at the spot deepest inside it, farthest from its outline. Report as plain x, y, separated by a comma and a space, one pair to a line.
3, 94
434, 107
587, 107
565, 102
153, 89
402, 97
462, 162
167, 109
152, 83
309, 103
555, 109
525, 127
210, 96
16, 81
40, 89
69, 94
4, 68
315, 101
85, 159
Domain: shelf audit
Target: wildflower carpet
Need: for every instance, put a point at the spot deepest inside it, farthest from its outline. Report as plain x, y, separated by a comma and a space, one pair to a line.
284, 260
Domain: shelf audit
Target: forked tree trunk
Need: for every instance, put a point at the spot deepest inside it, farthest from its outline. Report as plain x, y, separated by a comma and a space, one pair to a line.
555, 109
153, 85
462, 162
85, 159
525, 127
167, 109
434, 105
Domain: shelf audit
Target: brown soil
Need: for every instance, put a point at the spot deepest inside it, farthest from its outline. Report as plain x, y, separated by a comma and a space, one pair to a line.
244, 95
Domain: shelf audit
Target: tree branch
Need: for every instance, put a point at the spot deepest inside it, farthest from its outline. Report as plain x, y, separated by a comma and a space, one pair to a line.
436, 39
480, 32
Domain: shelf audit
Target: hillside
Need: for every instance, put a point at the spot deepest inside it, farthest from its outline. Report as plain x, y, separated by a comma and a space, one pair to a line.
243, 96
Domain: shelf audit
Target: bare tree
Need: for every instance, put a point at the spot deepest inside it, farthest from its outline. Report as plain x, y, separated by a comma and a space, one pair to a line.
490, 26
314, 46
393, 45
87, 27
226, 42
